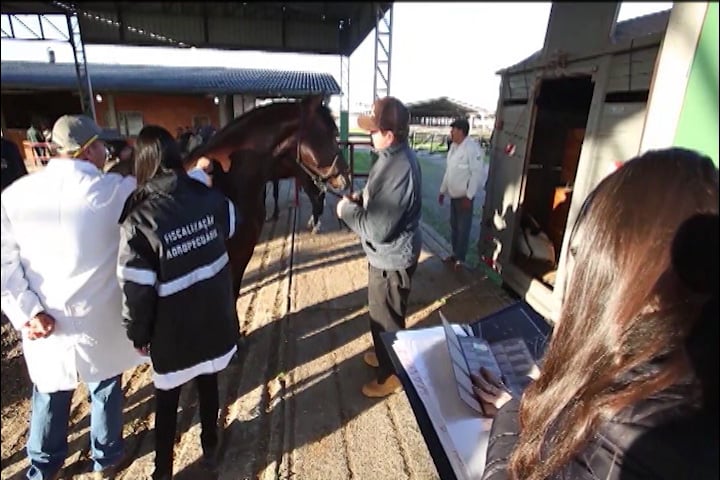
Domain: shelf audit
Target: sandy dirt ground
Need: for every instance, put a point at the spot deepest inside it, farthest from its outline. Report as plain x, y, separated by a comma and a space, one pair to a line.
291, 405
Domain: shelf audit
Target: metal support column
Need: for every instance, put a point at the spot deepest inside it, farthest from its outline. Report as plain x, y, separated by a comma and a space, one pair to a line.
383, 52
344, 101
112, 117
225, 110
83, 77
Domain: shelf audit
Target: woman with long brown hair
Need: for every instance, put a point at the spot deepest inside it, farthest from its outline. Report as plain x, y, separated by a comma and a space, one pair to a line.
616, 366
178, 301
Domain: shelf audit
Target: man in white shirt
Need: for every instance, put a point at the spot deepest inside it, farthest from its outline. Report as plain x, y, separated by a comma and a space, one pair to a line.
463, 178
59, 289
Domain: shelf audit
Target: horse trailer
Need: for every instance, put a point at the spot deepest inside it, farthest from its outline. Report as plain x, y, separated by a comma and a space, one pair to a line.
597, 94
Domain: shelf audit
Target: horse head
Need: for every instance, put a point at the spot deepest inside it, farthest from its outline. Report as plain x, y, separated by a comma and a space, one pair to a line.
288, 136
318, 152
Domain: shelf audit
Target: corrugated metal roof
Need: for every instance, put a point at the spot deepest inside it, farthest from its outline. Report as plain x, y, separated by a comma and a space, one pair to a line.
640, 26
624, 31
334, 28
153, 78
441, 107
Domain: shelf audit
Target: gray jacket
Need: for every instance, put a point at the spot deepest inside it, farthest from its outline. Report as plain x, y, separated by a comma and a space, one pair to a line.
388, 218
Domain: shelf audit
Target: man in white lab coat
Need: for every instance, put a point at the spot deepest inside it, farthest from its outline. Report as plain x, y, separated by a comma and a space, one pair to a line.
464, 178
60, 238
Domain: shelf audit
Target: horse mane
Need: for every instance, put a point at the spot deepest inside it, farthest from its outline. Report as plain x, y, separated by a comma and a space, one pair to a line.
239, 125
326, 116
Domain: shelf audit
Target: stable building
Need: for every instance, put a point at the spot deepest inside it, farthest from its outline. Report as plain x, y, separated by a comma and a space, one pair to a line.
127, 97
440, 113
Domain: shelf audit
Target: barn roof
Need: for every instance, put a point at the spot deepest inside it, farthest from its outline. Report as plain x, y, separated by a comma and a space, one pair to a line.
335, 28
624, 31
163, 79
441, 107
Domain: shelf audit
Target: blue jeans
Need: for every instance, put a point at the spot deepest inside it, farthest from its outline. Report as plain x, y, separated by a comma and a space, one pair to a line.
460, 223
47, 444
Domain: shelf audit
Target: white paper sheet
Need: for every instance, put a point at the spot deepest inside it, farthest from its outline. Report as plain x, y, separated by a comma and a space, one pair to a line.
462, 432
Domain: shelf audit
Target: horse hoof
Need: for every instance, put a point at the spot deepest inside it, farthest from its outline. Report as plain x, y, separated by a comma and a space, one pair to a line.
316, 228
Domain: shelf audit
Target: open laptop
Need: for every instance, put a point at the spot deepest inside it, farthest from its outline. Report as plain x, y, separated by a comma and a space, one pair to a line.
508, 358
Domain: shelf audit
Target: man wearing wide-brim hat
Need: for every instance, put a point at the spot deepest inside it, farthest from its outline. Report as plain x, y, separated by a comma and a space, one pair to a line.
386, 216
59, 289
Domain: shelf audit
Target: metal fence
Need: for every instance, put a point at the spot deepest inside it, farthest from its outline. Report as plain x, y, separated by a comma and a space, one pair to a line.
349, 148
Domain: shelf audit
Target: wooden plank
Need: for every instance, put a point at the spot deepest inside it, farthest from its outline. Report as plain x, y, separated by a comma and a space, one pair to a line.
520, 85
632, 71
620, 65
515, 118
628, 83
619, 133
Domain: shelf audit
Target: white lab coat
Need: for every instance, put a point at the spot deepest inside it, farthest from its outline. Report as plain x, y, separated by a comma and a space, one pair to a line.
60, 238
465, 174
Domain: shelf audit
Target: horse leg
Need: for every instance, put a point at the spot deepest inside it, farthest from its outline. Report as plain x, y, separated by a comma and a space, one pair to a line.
264, 194
242, 245
317, 199
240, 249
276, 194
318, 205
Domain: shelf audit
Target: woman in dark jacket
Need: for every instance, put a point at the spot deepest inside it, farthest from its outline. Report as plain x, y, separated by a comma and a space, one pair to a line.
13, 165
617, 392
178, 303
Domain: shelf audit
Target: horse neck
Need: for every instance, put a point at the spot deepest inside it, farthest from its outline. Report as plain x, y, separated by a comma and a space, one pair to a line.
253, 124
267, 134
286, 166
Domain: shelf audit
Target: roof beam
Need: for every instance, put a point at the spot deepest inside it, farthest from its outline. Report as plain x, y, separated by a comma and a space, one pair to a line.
121, 23
42, 31
206, 30
32, 31
283, 29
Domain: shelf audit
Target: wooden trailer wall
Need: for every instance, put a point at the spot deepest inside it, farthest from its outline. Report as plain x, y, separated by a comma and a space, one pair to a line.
622, 76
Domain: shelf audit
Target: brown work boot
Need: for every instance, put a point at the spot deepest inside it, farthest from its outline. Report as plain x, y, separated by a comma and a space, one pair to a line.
371, 359
378, 390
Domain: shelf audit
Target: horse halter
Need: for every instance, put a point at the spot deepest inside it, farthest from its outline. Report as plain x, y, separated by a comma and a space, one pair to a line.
317, 178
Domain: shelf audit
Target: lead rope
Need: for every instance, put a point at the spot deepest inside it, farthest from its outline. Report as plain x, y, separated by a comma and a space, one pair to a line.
292, 260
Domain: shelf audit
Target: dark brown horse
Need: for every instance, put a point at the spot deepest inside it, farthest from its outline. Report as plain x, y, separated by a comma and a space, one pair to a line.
258, 147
